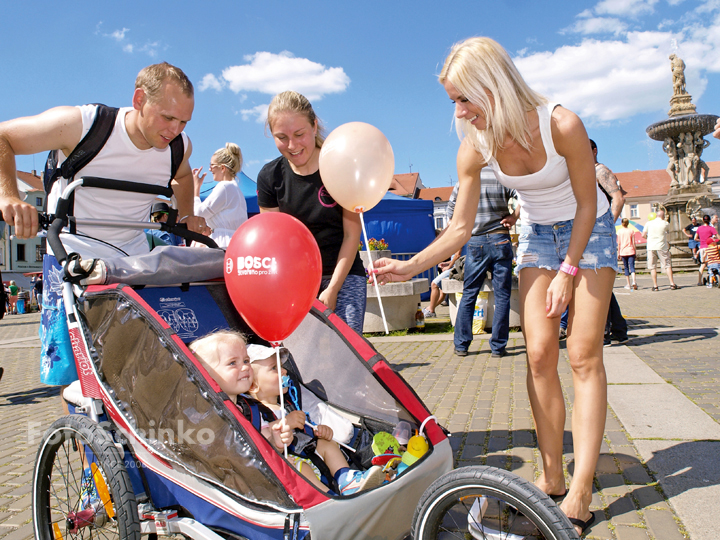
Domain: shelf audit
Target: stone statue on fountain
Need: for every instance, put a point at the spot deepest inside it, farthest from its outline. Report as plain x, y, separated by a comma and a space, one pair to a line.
682, 136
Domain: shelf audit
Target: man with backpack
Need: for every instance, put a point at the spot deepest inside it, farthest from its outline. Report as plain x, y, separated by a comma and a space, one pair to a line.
143, 143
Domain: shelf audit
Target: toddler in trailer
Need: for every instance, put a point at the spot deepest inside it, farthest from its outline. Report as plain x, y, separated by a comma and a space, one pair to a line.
266, 389
224, 355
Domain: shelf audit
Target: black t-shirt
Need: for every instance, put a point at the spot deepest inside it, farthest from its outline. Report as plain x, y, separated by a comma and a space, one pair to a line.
305, 198
692, 229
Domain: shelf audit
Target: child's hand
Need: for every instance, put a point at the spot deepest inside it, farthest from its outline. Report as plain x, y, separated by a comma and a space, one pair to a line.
324, 432
296, 420
283, 434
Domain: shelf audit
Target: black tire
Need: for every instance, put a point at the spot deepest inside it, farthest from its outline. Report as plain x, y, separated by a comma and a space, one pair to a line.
450, 508
57, 484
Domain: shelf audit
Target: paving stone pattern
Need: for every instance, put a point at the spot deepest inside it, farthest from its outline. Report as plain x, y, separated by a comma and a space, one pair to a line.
481, 400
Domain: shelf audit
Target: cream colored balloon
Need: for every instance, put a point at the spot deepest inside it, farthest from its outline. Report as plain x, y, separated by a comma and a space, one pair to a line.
357, 165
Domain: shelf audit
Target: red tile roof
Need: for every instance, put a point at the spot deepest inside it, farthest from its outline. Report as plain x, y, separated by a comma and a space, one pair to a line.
405, 184
653, 183
429, 194
30, 179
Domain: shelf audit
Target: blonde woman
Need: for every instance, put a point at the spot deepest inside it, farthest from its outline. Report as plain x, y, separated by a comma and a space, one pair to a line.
292, 184
225, 208
567, 253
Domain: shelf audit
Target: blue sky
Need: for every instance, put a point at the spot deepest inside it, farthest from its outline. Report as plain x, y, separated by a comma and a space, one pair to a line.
370, 61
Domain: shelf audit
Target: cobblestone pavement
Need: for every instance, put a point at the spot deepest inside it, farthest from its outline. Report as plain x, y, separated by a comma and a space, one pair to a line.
481, 400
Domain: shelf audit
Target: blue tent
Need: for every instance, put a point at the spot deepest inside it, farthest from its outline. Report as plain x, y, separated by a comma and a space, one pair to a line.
405, 224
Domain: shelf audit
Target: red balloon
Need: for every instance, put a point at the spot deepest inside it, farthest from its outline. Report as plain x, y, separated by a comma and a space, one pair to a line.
273, 271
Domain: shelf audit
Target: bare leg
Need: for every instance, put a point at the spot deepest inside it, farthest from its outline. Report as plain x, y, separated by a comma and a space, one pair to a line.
330, 452
436, 297
307, 471
546, 398
653, 275
585, 351
633, 279
669, 273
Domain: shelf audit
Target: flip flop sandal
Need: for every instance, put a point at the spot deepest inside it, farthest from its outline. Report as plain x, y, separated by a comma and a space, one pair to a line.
584, 525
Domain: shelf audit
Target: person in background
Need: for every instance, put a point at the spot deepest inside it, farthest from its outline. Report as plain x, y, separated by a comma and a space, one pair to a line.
705, 232
615, 326
159, 214
13, 291
437, 296
225, 209
488, 250
627, 251
693, 244
38, 291
292, 184
658, 248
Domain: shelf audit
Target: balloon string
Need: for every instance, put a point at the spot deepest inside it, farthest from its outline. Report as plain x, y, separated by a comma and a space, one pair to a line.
372, 273
282, 400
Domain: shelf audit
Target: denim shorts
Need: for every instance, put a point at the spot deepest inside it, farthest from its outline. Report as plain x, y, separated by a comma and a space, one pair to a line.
545, 246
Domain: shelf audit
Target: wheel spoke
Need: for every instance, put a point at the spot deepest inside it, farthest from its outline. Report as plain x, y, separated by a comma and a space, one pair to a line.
65, 499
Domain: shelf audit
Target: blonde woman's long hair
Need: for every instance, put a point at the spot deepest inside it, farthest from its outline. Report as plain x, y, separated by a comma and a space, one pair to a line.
294, 102
478, 66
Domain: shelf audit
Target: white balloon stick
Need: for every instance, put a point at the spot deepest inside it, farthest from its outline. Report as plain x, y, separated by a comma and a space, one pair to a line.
282, 400
372, 273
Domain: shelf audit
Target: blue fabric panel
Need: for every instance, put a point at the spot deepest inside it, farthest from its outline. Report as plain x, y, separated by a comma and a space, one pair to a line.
186, 311
405, 224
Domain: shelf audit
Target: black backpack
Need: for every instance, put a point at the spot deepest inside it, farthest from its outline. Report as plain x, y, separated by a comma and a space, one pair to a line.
90, 146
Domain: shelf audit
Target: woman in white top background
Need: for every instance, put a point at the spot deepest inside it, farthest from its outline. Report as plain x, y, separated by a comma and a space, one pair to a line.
225, 208
567, 248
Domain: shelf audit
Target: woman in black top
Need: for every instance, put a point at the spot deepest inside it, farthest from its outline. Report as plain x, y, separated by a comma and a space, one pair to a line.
292, 184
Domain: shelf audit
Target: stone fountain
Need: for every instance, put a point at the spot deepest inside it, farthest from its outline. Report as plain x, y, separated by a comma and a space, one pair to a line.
683, 137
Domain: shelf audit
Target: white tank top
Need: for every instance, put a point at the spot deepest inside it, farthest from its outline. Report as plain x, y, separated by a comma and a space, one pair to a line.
119, 159
546, 196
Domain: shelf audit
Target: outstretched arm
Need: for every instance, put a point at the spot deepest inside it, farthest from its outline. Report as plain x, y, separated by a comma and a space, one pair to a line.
457, 233
58, 128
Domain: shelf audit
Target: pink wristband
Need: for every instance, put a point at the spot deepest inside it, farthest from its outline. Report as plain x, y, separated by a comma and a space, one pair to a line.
568, 269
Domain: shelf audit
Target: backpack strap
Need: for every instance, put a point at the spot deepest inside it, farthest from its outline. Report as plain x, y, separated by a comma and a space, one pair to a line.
177, 151
249, 409
86, 149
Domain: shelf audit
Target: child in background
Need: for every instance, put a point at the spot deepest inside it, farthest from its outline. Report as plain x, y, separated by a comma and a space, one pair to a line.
266, 389
712, 258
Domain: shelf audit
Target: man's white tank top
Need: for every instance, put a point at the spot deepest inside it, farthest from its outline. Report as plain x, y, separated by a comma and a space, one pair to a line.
119, 159
546, 196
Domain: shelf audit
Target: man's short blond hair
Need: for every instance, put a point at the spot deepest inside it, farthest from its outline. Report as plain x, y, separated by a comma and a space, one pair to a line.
152, 78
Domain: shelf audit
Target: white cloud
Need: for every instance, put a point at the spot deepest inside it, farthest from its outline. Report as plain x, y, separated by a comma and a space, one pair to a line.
271, 73
605, 80
599, 25
119, 35
629, 8
210, 81
259, 113
150, 48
